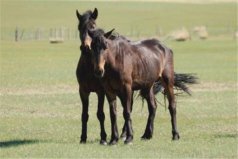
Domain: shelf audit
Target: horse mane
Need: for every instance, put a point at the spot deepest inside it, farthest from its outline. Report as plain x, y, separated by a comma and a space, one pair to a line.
98, 32
114, 36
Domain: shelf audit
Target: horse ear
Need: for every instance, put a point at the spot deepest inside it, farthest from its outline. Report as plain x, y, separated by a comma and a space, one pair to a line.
78, 15
95, 14
106, 35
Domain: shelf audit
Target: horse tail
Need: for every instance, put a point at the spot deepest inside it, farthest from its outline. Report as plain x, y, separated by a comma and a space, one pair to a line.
181, 82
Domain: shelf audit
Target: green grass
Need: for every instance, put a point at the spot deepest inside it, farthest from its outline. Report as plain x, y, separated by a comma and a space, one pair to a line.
131, 18
40, 107
40, 110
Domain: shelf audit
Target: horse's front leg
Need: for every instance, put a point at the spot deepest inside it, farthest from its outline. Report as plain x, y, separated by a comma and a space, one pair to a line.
124, 130
84, 118
113, 115
126, 102
101, 116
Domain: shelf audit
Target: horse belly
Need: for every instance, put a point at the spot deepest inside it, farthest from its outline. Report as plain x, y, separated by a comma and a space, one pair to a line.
140, 83
145, 74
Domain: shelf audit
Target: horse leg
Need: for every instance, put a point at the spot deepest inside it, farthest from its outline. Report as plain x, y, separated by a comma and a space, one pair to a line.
113, 115
126, 103
101, 117
123, 134
84, 118
150, 98
168, 83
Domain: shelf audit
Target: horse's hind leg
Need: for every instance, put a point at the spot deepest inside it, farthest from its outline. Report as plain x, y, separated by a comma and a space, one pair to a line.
84, 118
101, 117
150, 98
168, 83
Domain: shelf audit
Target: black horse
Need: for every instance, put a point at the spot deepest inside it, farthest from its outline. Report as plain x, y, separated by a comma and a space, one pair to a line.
87, 81
125, 66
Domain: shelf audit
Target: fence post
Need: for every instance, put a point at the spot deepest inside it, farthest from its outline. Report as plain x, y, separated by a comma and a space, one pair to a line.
16, 34
61, 33
51, 33
37, 34
68, 33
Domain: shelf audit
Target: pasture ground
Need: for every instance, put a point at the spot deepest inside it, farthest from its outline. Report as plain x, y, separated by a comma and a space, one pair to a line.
40, 108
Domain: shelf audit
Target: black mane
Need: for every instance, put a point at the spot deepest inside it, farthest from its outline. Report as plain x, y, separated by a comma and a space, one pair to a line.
97, 33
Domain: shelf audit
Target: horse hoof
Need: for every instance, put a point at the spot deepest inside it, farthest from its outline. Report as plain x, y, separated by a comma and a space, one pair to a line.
113, 142
123, 135
82, 141
176, 136
123, 138
146, 137
103, 142
128, 141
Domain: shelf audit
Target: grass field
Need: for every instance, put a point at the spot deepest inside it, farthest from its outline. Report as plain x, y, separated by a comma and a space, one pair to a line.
131, 18
40, 108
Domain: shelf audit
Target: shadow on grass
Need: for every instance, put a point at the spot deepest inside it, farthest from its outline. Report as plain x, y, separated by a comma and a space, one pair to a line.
226, 135
19, 142
13, 143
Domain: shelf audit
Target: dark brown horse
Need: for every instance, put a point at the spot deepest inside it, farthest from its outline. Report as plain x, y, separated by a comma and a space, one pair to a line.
125, 66
85, 75
87, 81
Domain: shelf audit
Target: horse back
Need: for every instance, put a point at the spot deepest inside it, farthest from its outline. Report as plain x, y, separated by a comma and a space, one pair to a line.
150, 58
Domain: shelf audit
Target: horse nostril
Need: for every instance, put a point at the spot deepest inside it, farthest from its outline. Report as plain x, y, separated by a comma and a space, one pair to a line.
99, 73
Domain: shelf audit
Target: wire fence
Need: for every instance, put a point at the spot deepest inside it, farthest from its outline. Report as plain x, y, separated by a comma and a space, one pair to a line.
60, 34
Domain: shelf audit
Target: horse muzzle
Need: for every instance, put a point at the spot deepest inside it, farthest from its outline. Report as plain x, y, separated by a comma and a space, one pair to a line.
99, 73
87, 43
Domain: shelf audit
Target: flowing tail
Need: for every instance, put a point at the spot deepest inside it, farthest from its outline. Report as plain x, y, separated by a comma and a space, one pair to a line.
181, 82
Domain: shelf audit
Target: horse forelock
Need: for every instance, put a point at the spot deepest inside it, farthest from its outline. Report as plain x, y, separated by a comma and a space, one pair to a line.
86, 15
85, 19
98, 37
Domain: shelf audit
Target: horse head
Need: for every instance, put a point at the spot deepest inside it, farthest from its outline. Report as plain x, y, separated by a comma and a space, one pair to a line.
99, 48
87, 21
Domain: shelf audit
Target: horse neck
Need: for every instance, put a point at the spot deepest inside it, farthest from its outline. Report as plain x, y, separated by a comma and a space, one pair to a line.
85, 56
114, 51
